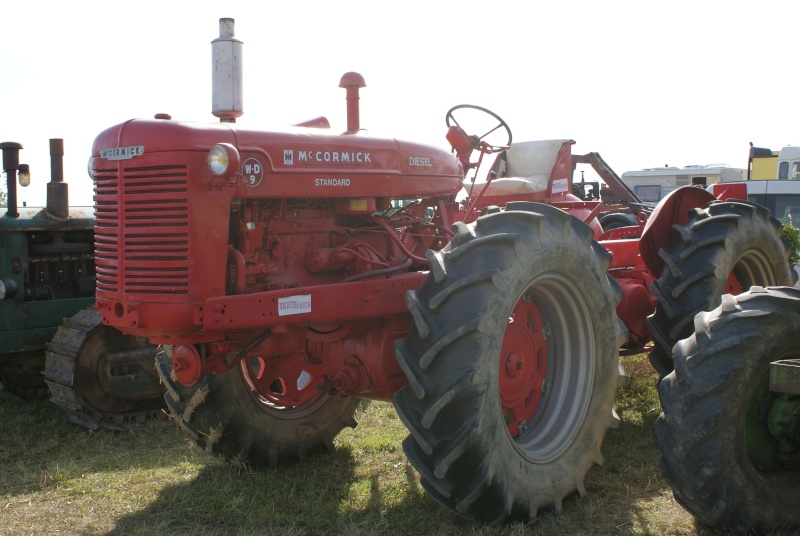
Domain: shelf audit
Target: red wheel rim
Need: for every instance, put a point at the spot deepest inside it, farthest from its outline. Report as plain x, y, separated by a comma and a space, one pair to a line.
523, 366
732, 286
284, 382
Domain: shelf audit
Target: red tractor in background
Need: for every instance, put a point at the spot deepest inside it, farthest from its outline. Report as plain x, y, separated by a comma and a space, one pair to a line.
291, 272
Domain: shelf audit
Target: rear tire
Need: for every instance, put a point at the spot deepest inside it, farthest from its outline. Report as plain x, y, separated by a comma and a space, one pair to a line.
717, 451
615, 221
512, 364
228, 419
724, 248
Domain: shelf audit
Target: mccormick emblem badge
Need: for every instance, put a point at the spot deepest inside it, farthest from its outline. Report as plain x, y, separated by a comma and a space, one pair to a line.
122, 153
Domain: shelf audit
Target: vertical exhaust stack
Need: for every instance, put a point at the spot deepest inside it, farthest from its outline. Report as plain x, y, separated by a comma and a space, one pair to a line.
10, 166
57, 189
226, 74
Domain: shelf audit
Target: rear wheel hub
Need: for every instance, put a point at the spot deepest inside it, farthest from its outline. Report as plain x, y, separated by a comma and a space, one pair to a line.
286, 381
523, 366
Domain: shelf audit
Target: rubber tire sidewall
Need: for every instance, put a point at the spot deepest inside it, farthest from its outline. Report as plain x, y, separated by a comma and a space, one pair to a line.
226, 418
697, 266
705, 400
471, 427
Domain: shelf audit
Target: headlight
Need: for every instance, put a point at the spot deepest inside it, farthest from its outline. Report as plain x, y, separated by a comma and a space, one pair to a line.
24, 175
221, 158
8, 289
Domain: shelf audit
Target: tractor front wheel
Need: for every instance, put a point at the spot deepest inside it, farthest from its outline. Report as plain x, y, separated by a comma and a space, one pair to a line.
730, 446
512, 364
227, 416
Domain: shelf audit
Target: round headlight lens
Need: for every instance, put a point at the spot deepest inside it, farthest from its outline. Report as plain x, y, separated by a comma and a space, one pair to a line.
8, 289
218, 160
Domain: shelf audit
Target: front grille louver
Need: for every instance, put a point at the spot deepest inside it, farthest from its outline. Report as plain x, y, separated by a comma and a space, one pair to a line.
142, 230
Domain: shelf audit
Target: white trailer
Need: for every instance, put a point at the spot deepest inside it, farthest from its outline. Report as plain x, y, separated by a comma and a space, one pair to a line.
652, 184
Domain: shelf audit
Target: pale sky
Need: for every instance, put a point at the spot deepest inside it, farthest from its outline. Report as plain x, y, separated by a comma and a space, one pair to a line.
643, 83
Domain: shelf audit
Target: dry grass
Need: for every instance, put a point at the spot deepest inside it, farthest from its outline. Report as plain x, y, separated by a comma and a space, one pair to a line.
57, 478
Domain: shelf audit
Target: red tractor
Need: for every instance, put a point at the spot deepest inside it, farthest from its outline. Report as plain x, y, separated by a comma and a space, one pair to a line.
292, 272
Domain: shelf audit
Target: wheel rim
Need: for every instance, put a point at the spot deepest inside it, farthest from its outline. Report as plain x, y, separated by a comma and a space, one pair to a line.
752, 268
732, 286
558, 354
285, 384
523, 366
770, 434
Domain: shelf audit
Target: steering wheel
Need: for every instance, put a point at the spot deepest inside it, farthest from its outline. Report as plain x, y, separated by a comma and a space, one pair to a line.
492, 147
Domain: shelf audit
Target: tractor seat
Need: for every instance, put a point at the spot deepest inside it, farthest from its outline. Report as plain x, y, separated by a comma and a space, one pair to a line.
523, 168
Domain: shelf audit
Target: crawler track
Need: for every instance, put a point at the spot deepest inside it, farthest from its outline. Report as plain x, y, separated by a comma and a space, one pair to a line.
101, 377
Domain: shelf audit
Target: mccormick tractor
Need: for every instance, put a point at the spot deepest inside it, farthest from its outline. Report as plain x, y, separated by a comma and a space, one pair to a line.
50, 335
291, 272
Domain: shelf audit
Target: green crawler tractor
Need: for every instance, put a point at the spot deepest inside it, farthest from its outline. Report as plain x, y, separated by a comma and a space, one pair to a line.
51, 337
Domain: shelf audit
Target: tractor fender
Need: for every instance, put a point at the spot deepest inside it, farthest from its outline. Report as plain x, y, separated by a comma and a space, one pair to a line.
673, 209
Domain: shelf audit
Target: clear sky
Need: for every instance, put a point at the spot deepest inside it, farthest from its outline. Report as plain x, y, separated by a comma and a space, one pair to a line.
643, 83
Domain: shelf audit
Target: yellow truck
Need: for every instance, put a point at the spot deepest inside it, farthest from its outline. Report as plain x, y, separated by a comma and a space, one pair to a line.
766, 164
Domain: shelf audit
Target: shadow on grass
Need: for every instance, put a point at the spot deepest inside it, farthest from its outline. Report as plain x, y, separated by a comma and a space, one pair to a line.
39, 446
335, 494
628, 495
319, 496
365, 486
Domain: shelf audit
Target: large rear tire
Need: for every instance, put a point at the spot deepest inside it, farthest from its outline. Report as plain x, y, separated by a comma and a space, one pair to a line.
512, 364
729, 446
226, 416
724, 248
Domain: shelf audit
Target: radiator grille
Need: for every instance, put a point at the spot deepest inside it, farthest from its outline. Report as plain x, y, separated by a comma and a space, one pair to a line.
142, 230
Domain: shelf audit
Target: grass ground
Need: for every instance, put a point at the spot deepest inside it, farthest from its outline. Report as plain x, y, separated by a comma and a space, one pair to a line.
58, 478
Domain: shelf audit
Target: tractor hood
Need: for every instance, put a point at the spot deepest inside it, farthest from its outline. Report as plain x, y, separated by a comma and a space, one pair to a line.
38, 219
294, 161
